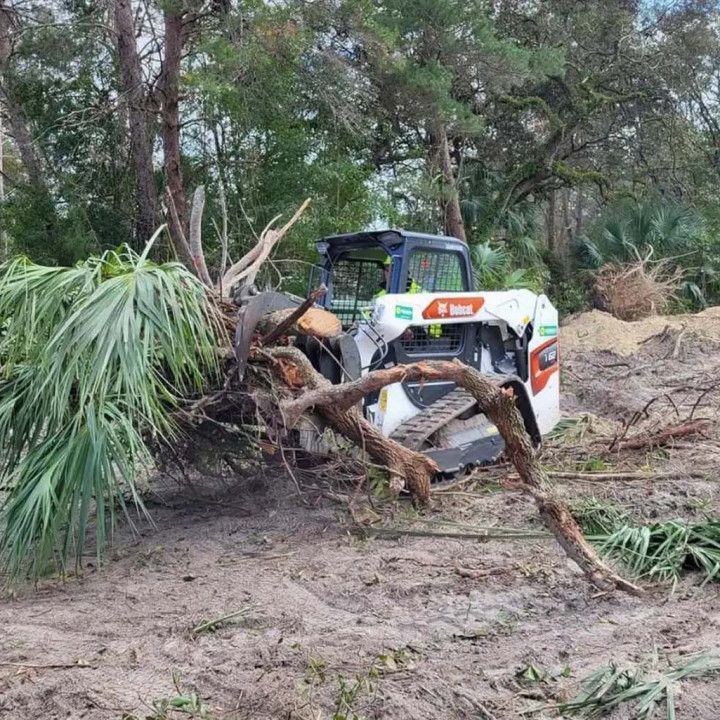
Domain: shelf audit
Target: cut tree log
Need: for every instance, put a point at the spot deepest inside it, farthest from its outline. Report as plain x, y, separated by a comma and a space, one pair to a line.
314, 321
292, 317
338, 405
304, 319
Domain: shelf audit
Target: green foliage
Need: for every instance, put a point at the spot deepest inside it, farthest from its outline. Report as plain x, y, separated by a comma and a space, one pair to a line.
214, 624
659, 551
31, 219
184, 704
611, 686
531, 674
599, 517
570, 297
657, 230
493, 268
292, 127
95, 358
630, 231
345, 102
64, 79
663, 551
349, 692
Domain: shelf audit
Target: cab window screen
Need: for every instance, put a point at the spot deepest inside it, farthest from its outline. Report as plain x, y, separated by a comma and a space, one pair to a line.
435, 271
355, 282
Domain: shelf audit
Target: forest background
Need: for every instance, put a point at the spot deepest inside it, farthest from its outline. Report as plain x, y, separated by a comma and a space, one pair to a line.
555, 136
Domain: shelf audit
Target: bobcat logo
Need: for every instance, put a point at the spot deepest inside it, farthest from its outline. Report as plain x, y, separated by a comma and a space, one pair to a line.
442, 309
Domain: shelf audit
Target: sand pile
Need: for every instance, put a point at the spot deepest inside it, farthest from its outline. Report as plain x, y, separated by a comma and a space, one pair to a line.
613, 368
600, 331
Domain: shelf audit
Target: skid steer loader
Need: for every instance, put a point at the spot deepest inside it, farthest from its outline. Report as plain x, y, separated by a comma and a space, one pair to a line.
403, 297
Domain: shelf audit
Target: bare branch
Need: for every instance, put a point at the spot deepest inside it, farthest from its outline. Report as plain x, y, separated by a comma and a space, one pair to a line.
177, 234
196, 249
248, 266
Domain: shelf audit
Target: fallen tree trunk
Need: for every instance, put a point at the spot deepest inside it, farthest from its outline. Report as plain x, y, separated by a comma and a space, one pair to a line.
407, 468
338, 405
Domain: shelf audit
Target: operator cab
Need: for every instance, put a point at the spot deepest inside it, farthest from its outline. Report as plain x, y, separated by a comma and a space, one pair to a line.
355, 268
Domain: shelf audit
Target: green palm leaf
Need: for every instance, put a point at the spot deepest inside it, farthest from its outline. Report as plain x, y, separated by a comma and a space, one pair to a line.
96, 358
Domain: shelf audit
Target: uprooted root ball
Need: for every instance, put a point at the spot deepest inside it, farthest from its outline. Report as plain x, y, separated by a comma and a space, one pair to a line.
632, 292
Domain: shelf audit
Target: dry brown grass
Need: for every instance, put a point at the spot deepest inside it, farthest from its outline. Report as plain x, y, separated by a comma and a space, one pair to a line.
635, 291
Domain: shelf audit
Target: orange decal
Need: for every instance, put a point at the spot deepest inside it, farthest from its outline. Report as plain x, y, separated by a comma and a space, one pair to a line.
452, 307
544, 361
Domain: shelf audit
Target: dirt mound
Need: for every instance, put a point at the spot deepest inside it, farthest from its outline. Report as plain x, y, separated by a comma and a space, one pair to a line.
599, 331
651, 372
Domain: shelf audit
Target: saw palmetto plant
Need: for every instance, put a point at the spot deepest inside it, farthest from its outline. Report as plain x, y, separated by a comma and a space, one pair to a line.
95, 359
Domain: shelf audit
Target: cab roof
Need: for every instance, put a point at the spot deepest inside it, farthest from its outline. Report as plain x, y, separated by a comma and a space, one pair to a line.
386, 238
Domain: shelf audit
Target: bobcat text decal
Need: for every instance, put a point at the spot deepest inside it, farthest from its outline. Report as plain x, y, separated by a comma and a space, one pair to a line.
452, 307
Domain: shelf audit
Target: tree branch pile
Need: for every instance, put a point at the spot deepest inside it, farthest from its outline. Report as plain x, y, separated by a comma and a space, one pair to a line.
297, 390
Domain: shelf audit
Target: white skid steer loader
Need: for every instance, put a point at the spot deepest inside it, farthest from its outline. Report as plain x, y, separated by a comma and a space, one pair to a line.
403, 297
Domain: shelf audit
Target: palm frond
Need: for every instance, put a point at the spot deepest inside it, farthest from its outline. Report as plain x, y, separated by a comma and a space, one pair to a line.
627, 231
663, 551
599, 517
693, 290
488, 263
612, 685
103, 365
33, 298
589, 253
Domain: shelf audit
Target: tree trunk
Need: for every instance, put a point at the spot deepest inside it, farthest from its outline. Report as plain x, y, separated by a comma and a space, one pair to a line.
3, 233
567, 224
140, 140
550, 224
18, 124
449, 199
20, 132
579, 198
175, 33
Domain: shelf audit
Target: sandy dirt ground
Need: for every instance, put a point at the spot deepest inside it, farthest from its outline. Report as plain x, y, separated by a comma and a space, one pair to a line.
339, 625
